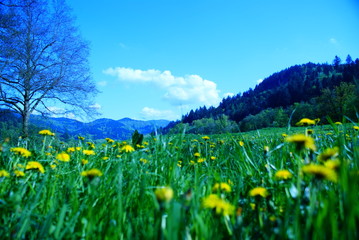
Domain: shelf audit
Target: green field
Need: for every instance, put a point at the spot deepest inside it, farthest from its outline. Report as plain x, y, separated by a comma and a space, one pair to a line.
184, 186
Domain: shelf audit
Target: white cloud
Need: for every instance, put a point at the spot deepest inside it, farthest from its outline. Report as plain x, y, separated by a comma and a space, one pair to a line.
189, 89
333, 41
154, 114
102, 83
96, 106
259, 81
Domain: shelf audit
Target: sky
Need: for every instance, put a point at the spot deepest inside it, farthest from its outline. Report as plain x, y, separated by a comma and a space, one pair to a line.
158, 59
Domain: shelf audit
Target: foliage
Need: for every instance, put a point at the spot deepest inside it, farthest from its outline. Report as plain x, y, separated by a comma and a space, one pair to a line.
256, 185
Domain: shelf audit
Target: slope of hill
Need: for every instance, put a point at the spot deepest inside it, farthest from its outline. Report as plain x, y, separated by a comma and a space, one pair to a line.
327, 90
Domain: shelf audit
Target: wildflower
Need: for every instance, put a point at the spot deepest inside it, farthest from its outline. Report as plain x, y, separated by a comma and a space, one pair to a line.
127, 148
200, 160
84, 161
259, 191
53, 166
179, 163
284, 135
4, 173
213, 158
205, 138
19, 173
302, 141
21, 151
143, 160
94, 172
197, 154
225, 187
70, 149
307, 122
283, 174
88, 152
332, 164
46, 132
356, 128
328, 153
221, 206
81, 138
321, 172
164, 194
266, 149
105, 158
241, 143
91, 145
63, 157
109, 140
338, 123
35, 165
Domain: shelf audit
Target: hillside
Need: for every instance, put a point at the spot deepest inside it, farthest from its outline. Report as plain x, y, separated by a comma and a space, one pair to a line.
307, 90
98, 129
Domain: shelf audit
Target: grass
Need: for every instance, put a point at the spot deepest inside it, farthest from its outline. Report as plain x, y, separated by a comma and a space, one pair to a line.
128, 199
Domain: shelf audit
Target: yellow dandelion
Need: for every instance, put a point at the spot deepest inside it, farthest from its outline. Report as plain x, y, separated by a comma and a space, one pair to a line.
201, 160
63, 157
53, 166
356, 128
84, 161
19, 173
109, 140
4, 173
284, 135
332, 164
213, 158
221, 206
328, 154
94, 172
283, 174
46, 132
81, 138
197, 154
205, 138
33, 165
338, 123
259, 191
71, 149
225, 187
321, 172
241, 143
164, 194
127, 148
21, 151
307, 122
88, 152
302, 141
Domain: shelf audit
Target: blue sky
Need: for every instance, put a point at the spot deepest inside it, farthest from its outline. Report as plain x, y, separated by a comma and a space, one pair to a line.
158, 59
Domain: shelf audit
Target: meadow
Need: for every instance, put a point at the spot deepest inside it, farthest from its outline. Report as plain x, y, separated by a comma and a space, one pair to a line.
297, 183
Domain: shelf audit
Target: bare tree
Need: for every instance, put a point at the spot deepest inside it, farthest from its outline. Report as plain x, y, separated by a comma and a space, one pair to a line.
43, 59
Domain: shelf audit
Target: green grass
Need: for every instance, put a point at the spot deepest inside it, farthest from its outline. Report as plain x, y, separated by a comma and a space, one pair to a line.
122, 204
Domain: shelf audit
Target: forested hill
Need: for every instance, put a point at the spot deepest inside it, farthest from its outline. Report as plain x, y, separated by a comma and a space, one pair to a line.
314, 90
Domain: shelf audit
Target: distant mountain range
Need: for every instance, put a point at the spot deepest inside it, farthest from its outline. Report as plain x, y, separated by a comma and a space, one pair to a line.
98, 129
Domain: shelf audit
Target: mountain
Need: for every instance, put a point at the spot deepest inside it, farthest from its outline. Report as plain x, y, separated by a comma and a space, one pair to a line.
307, 90
98, 129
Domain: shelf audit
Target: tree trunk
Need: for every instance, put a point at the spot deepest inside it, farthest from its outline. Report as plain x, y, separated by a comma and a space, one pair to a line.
25, 123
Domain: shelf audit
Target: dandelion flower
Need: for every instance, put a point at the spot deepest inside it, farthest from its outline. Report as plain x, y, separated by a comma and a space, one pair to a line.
88, 152
356, 128
21, 151
332, 164
84, 161
222, 207
302, 141
241, 143
127, 148
307, 122
46, 132
225, 187
4, 173
321, 172
259, 191
35, 165
213, 158
338, 123
197, 154
94, 172
283, 174
164, 194
63, 157
205, 138
328, 154
109, 140
200, 160
19, 173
